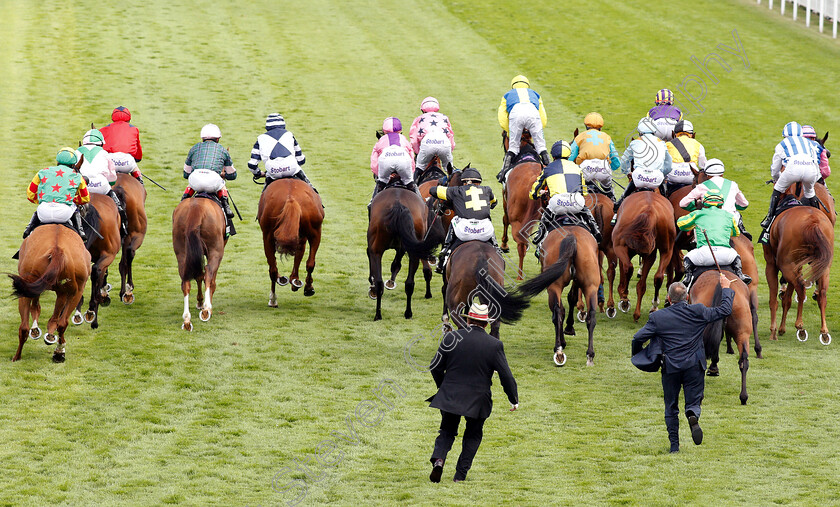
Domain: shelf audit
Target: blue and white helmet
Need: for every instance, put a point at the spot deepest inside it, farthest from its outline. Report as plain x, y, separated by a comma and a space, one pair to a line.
646, 126
792, 129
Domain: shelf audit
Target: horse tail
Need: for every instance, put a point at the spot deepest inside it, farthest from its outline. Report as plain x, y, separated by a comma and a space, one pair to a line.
568, 250
713, 333
31, 289
286, 234
816, 251
401, 222
194, 262
638, 234
511, 304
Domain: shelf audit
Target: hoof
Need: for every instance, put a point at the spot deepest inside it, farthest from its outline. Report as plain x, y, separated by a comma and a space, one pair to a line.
624, 305
408, 314
447, 328
77, 318
744, 400
204, 315
58, 357
809, 285
504, 249
50, 339
187, 326
432, 261
372, 293
106, 301
376, 317
309, 291
127, 298
590, 361
282, 281
825, 338
713, 372
390, 285
611, 312
296, 284
559, 359
35, 333
90, 316
569, 331
802, 335
581, 316
272, 302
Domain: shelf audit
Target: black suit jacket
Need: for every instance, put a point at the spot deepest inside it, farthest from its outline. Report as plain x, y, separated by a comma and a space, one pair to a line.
680, 330
463, 371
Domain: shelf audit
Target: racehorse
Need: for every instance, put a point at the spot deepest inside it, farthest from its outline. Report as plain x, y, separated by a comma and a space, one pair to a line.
798, 236
103, 234
132, 193
198, 230
644, 226
521, 212
601, 207
52, 258
683, 239
399, 220
476, 269
738, 325
290, 215
826, 200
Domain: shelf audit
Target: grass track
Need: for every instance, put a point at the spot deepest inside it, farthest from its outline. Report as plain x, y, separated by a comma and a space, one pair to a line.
143, 413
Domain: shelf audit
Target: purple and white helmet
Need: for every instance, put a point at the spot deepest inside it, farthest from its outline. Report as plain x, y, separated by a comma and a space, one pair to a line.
391, 125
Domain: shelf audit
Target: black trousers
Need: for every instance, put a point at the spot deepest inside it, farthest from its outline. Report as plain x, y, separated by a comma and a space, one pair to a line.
473, 433
692, 382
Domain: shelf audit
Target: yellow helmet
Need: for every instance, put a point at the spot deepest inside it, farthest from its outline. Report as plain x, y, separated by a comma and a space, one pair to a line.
520, 79
593, 120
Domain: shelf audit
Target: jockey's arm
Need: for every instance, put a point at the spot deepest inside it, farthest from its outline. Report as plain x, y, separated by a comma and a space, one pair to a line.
187, 170
543, 117
776, 165
82, 195
573, 154
112, 172
741, 202
493, 201
701, 158
139, 155
666, 168
503, 115
32, 189
825, 169
686, 223
538, 185
374, 158
688, 202
300, 158
256, 157
229, 172
734, 230
626, 159
449, 133
439, 191
413, 134
615, 162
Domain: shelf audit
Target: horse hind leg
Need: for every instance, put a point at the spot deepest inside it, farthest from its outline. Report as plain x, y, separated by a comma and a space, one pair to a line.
396, 265
413, 263
375, 278
271, 259
427, 276
641, 286
63, 321
744, 365
557, 314
24, 307
571, 298
185, 288
314, 242
295, 274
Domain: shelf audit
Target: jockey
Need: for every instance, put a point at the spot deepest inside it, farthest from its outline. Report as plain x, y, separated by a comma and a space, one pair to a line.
471, 203
733, 199
521, 108
431, 136
687, 155
99, 171
58, 190
122, 141
392, 154
664, 114
207, 163
719, 225
566, 190
648, 160
798, 157
280, 152
808, 132
595, 153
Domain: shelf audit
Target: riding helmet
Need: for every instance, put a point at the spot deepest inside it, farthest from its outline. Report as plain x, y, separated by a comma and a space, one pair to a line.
561, 149
520, 79
792, 129
274, 120
809, 132
66, 156
93, 136
430, 105
684, 126
593, 120
714, 167
391, 125
713, 199
470, 174
664, 96
210, 131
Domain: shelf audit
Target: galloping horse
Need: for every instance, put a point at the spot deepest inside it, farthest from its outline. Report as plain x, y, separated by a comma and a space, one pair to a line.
521, 212
399, 220
290, 215
798, 236
52, 258
601, 207
738, 326
645, 224
683, 239
103, 250
132, 193
476, 269
198, 230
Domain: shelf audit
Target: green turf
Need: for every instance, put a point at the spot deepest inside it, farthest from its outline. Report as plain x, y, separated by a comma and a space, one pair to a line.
143, 413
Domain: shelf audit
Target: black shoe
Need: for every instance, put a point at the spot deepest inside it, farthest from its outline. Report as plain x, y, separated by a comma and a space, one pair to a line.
437, 471
696, 431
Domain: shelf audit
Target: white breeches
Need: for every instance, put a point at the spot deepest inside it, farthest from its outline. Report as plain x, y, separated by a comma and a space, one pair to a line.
566, 204
467, 229
55, 212
702, 256
395, 159
525, 116
284, 167
435, 144
205, 180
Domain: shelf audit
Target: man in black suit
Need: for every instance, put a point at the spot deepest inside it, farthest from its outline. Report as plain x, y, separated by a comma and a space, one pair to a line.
463, 371
679, 329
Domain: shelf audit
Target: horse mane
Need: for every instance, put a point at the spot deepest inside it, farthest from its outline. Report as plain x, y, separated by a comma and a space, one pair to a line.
816, 250
638, 234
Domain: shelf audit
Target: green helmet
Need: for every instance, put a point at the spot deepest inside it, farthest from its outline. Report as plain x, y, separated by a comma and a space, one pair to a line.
93, 136
67, 156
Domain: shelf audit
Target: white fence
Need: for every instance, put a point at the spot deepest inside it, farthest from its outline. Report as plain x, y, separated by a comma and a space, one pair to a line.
825, 9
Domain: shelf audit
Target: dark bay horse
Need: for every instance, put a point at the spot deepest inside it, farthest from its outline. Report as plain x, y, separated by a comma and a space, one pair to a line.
399, 220
601, 207
706, 290
52, 258
103, 250
476, 270
290, 216
799, 236
198, 231
644, 226
133, 196
521, 212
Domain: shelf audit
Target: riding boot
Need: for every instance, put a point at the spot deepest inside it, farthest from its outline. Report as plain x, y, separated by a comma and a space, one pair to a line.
449, 168
123, 215
688, 277
771, 212
743, 230
76, 220
544, 157
591, 224
444, 251
736, 268
631, 187
33, 223
413, 187
814, 202
226, 206
663, 188
505, 167
301, 176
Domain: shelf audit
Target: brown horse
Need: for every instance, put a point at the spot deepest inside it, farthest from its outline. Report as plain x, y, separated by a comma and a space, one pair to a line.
706, 290
683, 239
570, 254
799, 236
290, 215
476, 269
644, 226
521, 212
104, 244
52, 258
601, 207
132, 193
399, 220
825, 198
198, 230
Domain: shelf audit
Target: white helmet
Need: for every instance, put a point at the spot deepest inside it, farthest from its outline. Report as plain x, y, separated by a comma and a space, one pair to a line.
646, 126
684, 126
210, 131
714, 167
